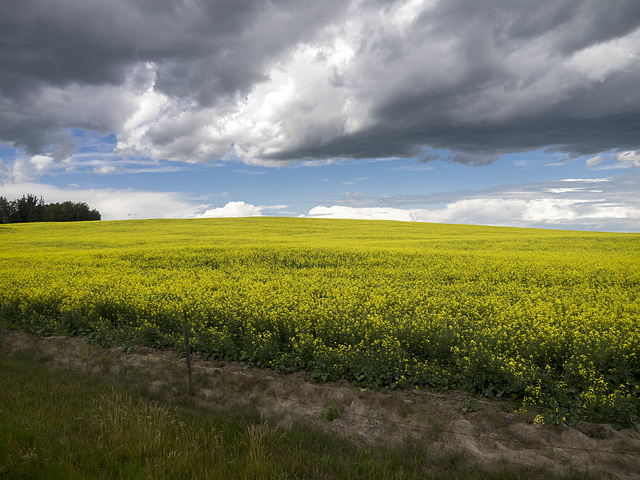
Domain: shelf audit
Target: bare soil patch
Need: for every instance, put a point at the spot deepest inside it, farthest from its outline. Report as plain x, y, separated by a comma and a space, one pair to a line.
490, 435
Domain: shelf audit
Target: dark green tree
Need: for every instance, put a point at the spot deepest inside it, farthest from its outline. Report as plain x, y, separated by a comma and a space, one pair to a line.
29, 208
69, 212
5, 210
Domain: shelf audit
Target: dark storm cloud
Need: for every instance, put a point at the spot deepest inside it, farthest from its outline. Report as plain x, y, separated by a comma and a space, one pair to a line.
294, 80
587, 22
204, 52
200, 45
482, 144
486, 97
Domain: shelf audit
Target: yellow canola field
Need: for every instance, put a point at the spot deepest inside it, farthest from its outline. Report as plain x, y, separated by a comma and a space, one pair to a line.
547, 317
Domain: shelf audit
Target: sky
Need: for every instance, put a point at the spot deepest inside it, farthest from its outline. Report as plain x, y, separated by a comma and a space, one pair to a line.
500, 112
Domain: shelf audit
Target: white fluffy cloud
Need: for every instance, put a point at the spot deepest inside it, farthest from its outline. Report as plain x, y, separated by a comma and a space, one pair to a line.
361, 213
497, 211
104, 169
554, 211
22, 171
478, 211
630, 157
239, 209
41, 162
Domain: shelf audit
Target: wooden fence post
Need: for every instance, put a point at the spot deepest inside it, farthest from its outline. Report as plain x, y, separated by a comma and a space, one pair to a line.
188, 351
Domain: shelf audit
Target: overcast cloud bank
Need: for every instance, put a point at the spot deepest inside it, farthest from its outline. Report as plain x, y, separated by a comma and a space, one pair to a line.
280, 81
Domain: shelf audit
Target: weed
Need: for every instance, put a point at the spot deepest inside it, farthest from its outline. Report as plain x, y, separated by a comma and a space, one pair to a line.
331, 413
469, 405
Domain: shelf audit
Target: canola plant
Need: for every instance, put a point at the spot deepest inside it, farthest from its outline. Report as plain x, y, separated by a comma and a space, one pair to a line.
547, 317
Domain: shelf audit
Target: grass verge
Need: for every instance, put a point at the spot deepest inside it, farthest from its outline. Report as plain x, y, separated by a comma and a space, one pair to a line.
60, 423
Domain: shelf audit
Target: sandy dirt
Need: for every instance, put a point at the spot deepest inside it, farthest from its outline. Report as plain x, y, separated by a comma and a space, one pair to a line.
491, 435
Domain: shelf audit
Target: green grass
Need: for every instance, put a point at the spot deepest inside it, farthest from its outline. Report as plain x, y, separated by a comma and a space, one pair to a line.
63, 424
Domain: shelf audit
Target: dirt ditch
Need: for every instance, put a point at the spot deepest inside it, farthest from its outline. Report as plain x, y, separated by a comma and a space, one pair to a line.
487, 431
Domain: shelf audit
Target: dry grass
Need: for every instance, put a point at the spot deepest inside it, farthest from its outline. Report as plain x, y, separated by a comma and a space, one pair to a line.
69, 410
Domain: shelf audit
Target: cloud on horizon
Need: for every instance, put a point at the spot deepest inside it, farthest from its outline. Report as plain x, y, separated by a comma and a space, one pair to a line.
606, 204
271, 83
543, 213
239, 209
599, 204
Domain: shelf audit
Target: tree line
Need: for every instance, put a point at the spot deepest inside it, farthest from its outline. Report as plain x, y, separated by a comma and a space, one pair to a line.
30, 208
